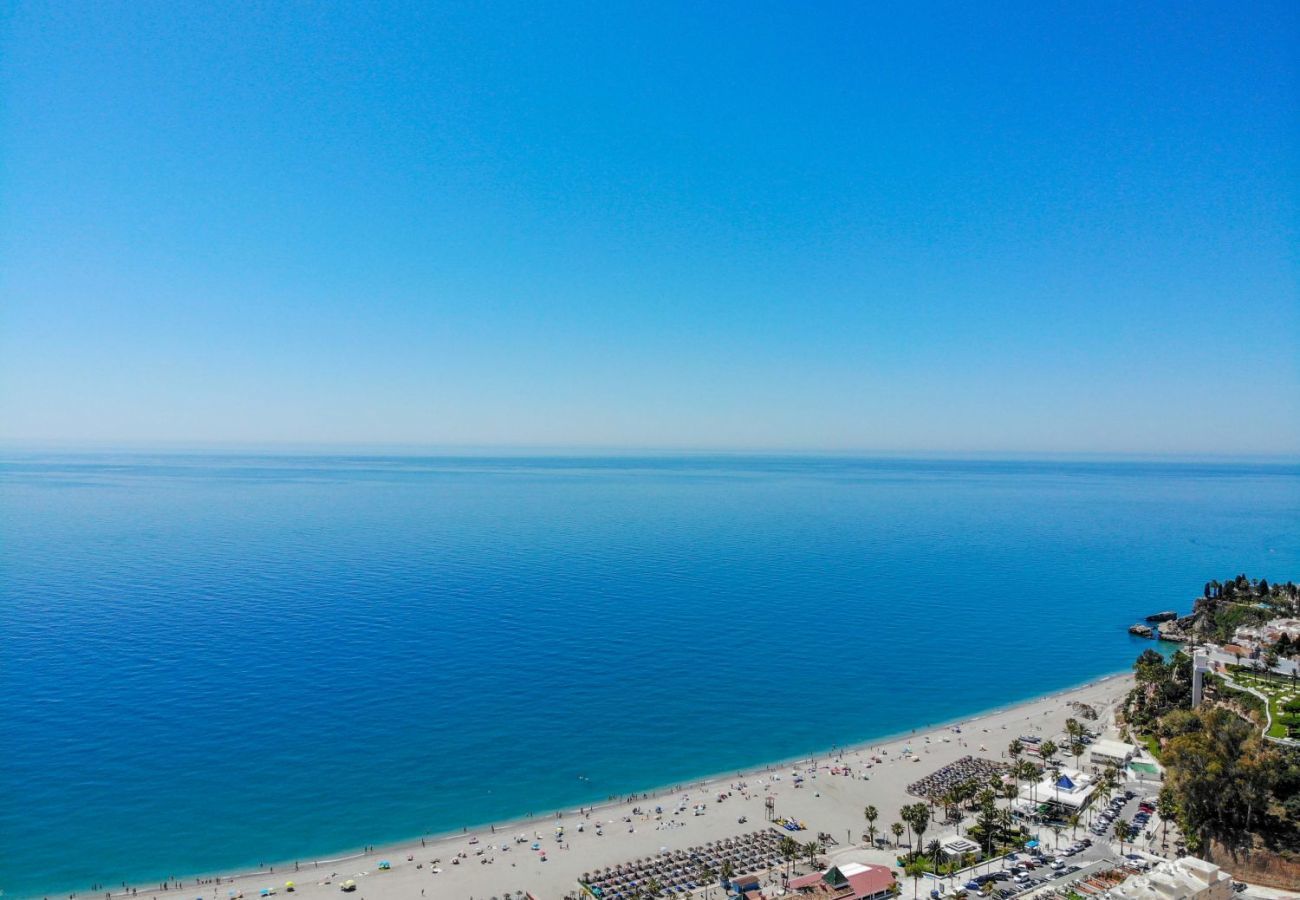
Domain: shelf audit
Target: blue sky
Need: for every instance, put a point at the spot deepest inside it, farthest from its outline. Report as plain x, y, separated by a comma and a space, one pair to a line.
946, 227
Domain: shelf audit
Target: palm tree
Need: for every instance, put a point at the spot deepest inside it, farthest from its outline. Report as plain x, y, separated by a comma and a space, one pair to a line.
1105, 788
897, 829
1010, 792
1029, 772
1004, 822
1121, 832
728, 869
1015, 750
790, 850
813, 848
870, 813
1166, 809
934, 848
920, 821
1056, 833
653, 887
1073, 822
949, 801
905, 813
954, 799
915, 869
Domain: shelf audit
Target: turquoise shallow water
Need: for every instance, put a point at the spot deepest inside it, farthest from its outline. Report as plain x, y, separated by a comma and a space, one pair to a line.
210, 661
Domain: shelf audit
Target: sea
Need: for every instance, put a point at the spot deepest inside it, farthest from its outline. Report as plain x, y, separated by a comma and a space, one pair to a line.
211, 660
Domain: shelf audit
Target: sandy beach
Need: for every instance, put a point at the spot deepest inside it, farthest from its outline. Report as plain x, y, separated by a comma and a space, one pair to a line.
491, 861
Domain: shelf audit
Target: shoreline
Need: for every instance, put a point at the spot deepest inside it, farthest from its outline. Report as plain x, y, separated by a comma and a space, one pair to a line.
403, 847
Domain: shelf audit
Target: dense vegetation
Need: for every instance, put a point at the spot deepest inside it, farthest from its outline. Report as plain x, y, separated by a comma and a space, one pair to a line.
1226, 606
1227, 785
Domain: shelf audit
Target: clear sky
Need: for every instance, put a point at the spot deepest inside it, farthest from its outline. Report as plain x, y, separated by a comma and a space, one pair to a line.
837, 226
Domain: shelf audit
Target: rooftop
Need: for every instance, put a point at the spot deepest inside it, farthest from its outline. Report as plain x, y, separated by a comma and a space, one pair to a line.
1115, 749
1171, 880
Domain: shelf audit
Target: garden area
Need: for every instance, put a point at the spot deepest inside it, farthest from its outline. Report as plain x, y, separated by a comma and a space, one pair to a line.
1283, 698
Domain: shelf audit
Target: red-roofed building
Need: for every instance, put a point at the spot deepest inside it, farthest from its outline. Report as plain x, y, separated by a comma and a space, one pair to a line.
851, 881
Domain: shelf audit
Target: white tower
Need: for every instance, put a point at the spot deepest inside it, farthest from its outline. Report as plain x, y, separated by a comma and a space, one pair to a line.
1200, 665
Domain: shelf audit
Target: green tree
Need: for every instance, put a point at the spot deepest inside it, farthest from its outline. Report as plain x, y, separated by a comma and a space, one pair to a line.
789, 848
935, 849
987, 821
1221, 775
870, 813
920, 821
1166, 809
897, 829
915, 869
1121, 832
1030, 772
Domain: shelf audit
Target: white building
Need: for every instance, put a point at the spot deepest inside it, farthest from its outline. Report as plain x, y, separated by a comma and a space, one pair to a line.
1188, 878
1070, 793
957, 847
1111, 753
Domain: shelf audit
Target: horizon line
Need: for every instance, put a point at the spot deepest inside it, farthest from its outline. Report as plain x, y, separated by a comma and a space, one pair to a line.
429, 449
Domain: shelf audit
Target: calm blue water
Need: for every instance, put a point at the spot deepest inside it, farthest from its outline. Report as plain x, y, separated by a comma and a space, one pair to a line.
213, 661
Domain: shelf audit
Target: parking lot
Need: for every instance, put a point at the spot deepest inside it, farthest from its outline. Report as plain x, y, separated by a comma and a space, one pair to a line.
1022, 873
1076, 858
1139, 811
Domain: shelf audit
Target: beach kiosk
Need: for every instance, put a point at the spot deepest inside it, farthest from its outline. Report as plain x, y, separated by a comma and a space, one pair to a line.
1105, 753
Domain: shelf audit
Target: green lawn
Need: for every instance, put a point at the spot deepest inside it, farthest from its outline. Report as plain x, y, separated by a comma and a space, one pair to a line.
1278, 690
